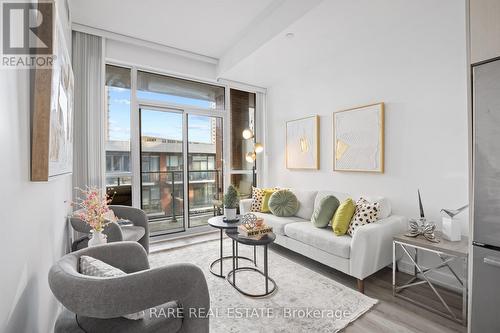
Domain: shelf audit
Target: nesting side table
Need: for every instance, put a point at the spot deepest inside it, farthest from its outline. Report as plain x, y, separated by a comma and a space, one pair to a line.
218, 223
447, 252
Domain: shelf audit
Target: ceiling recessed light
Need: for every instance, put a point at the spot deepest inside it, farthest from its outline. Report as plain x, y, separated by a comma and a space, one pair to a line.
289, 35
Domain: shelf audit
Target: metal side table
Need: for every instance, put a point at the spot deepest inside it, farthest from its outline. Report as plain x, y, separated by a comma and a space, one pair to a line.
231, 276
218, 223
447, 252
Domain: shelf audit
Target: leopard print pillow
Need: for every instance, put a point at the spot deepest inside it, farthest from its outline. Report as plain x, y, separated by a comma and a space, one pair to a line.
365, 213
257, 196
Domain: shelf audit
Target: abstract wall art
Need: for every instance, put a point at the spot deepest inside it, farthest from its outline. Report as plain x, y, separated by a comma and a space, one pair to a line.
358, 139
302, 143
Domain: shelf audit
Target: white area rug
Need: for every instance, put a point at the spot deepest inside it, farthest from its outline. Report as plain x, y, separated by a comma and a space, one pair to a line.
304, 302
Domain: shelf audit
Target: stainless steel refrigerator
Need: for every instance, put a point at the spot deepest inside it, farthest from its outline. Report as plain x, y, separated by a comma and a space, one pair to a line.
485, 310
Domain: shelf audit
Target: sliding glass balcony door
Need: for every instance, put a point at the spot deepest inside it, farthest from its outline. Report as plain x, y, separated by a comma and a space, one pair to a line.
181, 153
162, 169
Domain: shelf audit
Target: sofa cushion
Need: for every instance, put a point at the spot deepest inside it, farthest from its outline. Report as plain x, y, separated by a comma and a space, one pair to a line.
343, 216
321, 194
385, 206
322, 239
278, 223
257, 195
365, 213
283, 203
306, 203
132, 233
324, 212
264, 208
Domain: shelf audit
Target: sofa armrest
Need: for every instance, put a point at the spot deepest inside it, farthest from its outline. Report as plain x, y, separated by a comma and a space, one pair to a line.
245, 206
371, 246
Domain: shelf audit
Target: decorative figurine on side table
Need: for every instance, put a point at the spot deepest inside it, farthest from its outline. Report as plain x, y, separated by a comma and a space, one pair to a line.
420, 226
451, 226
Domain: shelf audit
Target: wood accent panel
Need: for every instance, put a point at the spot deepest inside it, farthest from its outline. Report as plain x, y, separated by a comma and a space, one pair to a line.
40, 125
41, 91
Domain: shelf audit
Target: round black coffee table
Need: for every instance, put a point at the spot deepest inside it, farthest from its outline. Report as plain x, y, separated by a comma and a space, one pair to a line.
264, 241
218, 222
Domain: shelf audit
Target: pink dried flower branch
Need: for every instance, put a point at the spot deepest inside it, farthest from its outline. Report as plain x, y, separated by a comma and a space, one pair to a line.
94, 207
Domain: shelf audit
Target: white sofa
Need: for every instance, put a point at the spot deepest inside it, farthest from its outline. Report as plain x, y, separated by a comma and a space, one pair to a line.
369, 250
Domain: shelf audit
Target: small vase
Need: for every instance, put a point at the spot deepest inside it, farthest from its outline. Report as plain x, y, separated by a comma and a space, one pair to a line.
98, 238
230, 213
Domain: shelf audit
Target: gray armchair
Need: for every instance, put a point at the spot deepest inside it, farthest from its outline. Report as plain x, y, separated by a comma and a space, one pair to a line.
94, 304
137, 232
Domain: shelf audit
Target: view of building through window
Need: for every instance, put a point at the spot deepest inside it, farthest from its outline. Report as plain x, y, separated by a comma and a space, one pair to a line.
117, 135
162, 157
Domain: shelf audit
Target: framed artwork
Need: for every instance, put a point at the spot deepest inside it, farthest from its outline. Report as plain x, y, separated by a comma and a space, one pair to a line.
358, 139
302, 143
52, 114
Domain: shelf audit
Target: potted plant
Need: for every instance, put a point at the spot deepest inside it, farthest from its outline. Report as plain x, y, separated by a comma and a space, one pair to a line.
95, 212
231, 202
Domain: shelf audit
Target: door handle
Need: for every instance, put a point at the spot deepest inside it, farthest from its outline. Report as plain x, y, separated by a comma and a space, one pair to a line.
492, 261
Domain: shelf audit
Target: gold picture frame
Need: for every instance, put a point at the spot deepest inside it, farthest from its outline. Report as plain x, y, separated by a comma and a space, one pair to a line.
302, 143
359, 139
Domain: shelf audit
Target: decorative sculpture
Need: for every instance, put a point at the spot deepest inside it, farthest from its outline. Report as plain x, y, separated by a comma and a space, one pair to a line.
452, 212
451, 227
249, 220
420, 226
422, 215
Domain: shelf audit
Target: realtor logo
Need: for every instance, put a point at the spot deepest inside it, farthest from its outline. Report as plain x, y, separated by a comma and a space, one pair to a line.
27, 30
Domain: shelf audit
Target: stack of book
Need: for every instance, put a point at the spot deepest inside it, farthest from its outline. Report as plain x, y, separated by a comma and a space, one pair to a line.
256, 232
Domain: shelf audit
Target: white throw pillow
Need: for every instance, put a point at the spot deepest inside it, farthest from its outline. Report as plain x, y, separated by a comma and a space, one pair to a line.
306, 203
95, 267
384, 204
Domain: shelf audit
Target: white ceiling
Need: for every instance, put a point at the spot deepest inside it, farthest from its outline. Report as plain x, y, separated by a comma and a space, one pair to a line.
201, 26
338, 32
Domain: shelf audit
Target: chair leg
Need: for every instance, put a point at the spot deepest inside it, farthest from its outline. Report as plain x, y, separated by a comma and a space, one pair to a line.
361, 286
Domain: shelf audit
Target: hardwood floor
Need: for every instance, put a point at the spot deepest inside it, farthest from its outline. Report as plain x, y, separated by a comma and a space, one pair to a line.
389, 315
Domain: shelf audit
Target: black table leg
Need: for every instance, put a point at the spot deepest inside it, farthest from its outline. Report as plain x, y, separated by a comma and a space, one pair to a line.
221, 254
236, 255
266, 274
254, 256
234, 271
219, 261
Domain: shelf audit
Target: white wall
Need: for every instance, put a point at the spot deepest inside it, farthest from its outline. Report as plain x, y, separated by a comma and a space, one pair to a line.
148, 58
420, 74
33, 234
413, 58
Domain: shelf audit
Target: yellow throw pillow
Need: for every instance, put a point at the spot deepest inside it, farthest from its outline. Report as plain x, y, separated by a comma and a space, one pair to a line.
343, 216
265, 200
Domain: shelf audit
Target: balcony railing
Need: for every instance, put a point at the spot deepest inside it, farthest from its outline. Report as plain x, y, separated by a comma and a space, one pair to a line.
163, 192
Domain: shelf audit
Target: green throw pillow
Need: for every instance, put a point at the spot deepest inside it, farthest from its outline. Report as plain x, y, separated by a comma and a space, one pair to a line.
343, 216
283, 203
324, 212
